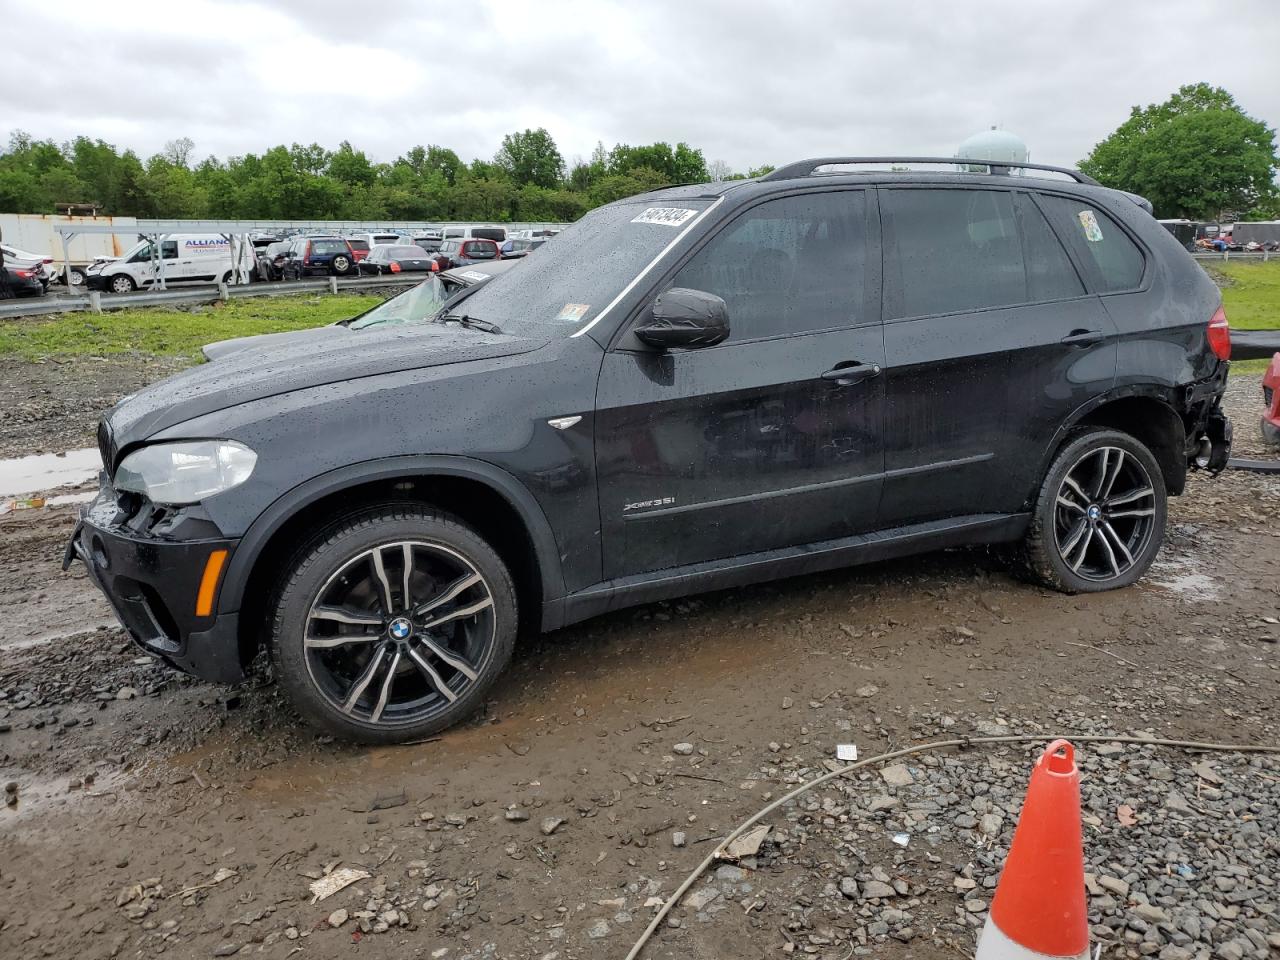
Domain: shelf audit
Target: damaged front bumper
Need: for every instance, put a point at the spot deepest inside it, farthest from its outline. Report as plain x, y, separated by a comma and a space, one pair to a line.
161, 571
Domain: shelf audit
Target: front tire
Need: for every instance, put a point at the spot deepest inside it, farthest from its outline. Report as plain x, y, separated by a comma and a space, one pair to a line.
122, 283
391, 624
1100, 514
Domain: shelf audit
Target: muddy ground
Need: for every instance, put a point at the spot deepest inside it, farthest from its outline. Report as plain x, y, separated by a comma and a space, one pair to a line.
53, 405
158, 815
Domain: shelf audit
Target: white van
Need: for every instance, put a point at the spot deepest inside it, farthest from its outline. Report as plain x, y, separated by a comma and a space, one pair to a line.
188, 258
373, 239
479, 233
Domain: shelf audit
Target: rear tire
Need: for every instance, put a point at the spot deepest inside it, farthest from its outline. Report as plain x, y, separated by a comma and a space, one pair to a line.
392, 623
1100, 514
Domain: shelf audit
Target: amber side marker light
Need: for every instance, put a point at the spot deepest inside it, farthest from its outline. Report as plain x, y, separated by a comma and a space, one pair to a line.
209, 582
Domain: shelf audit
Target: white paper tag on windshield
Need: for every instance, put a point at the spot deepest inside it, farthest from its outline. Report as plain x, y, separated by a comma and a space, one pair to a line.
666, 216
475, 275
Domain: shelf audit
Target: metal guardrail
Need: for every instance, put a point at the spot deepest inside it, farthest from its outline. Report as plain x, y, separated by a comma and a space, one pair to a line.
212, 293
1263, 255
96, 302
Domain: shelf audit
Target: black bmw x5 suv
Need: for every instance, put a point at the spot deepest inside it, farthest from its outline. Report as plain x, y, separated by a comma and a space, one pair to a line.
696, 388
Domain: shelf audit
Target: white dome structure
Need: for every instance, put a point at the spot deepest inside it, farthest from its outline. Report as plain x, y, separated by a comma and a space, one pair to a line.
998, 146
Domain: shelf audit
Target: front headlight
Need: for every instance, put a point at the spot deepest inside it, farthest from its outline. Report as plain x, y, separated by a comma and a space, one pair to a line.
174, 474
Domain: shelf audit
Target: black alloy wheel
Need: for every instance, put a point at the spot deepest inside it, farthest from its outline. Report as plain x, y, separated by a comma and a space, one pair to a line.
392, 626
1100, 516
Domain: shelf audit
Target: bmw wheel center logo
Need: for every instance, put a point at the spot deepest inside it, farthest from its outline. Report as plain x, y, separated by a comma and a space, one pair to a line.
400, 629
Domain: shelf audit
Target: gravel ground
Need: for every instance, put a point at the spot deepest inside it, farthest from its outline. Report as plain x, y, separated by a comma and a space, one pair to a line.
54, 405
152, 814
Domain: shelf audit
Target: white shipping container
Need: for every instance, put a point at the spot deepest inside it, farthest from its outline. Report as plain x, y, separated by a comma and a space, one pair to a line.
39, 234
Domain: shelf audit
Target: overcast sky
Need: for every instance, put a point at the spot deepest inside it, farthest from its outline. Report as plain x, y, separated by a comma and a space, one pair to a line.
747, 81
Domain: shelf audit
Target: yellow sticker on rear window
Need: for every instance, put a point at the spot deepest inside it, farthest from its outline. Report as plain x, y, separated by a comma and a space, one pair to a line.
1089, 220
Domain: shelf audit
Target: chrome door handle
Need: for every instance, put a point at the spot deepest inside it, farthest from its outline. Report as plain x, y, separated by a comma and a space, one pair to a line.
850, 373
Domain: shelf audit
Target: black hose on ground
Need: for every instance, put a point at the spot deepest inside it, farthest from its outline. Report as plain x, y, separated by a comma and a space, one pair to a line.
908, 751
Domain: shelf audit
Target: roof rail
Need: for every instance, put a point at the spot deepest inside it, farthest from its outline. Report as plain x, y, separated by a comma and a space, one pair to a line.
806, 168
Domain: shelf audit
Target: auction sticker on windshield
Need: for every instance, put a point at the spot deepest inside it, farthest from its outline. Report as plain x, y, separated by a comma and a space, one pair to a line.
666, 216
573, 312
475, 275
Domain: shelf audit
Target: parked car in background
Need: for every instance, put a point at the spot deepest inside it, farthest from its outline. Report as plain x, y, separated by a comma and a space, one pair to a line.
42, 262
185, 258
25, 279
271, 261
427, 241
485, 233
371, 240
457, 253
1270, 422
514, 249
395, 258
311, 256
359, 248
540, 233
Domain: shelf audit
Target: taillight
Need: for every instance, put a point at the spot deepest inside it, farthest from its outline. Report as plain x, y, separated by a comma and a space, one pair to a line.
395, 267
306, 257
435, 266
1220, 335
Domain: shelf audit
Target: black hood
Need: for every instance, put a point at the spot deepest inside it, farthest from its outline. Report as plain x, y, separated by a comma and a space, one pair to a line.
262, 341
295, 361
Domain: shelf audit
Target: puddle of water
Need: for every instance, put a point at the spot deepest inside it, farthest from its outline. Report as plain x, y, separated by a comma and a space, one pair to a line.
42, 795
48, 470
1185, 578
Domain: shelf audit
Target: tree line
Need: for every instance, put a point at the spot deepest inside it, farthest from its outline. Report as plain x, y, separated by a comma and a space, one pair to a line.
1197, 155
527, 180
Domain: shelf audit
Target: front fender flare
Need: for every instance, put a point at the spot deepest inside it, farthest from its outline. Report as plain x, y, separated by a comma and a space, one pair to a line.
500, 481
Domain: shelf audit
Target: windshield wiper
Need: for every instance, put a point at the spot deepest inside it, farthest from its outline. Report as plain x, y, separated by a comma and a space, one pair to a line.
463, 320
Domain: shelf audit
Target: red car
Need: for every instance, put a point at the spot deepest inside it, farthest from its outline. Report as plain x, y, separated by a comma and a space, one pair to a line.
359, 248
1271, 398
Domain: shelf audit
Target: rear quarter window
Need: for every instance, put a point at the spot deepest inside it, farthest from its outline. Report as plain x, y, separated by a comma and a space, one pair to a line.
1117, 262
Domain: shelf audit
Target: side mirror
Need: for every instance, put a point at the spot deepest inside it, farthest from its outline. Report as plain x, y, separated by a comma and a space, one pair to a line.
685, 318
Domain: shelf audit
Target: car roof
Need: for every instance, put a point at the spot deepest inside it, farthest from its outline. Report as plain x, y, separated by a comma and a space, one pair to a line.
744, 190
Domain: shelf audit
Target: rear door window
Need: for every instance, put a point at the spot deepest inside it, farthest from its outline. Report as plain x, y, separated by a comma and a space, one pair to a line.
1116, 261
952, 251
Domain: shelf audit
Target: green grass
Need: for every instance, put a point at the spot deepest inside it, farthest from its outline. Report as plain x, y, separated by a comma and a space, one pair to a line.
1251, 296
171, 333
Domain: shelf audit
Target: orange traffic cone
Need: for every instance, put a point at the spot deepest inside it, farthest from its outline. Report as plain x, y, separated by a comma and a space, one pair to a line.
1039, 907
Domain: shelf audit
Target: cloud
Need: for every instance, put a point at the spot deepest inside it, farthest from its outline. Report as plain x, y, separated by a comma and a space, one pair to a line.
748, 81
